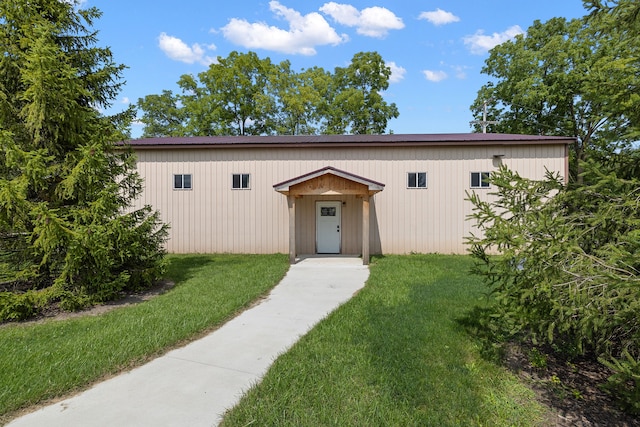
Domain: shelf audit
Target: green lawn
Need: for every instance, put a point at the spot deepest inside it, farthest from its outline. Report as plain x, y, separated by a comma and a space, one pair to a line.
51, 359
394, 355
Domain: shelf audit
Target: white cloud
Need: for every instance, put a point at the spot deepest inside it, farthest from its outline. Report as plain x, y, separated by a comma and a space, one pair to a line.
304, 34
397, 72
126, 100
439, 17
479, 43
344, 14
76, 3
178, 50
435, 76
461, 72
372, 21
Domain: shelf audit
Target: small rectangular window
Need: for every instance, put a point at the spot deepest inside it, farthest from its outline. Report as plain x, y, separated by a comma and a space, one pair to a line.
327, 211
240, 181
182, 182
480, 180
417, 180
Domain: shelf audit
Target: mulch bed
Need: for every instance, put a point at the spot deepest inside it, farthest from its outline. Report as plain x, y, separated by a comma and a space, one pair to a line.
570, 389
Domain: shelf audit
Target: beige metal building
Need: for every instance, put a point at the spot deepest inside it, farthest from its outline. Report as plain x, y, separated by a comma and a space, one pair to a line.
333, 194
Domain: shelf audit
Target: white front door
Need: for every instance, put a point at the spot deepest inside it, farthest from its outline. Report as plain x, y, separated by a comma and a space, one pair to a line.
328, 227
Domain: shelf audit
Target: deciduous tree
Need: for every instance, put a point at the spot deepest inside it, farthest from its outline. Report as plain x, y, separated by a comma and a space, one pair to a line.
245, 95
566, 78
237, 89
163, 117
301, 99
358, 106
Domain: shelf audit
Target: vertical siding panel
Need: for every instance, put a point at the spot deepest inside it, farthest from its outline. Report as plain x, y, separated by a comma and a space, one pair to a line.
171, 208
260, 191
283, 170
352, 224
159, 170
190, 197
179, 203
182, 199
257, 187
214, 218
205, 181
213, 171
188, 200
232, 239
304, 216
222, 203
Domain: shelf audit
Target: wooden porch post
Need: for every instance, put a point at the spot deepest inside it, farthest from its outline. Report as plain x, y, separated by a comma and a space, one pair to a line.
365, 229
291, 201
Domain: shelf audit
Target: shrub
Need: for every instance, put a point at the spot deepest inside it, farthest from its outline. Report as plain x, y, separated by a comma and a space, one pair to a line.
625, 382
14, 306
563, 264
17, 306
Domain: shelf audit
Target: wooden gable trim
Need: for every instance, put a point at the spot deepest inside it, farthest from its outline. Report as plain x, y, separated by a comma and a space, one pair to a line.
329, 181
328, 185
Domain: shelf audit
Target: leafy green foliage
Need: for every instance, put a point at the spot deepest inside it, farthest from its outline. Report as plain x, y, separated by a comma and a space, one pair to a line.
574, 78
358, 106
162, 115
567, 269
243, 94
625, 383
17, 306
65, 188
564, 263
624, 12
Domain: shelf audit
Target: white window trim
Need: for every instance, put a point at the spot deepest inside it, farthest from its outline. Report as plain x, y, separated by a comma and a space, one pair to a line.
426, 181
182, 175
479, 187
248, 187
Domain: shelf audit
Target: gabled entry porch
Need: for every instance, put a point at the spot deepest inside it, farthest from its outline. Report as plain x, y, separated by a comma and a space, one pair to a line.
334, 212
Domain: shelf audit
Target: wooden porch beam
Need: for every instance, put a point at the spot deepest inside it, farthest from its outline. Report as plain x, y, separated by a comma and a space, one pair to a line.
291, 202
365, 230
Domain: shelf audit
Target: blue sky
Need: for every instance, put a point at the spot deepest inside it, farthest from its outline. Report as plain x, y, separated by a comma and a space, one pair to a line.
436, 48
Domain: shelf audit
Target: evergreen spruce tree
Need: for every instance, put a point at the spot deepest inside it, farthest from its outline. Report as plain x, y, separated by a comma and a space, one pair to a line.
66, 188
568, 272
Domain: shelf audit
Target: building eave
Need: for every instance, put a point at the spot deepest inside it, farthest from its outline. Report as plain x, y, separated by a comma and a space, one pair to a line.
323, 141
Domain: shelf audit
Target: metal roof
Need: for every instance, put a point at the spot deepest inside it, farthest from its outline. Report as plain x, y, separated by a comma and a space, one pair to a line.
345, 140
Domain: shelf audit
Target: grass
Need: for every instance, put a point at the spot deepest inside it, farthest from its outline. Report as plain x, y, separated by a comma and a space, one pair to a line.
39, 361
394, 355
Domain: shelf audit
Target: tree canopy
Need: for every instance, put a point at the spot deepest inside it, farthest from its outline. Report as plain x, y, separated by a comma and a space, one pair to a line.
243, 94
64, 186
625, 14
567, 275
570, 78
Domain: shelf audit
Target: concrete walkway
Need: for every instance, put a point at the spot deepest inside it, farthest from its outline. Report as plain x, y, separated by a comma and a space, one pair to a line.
194, 385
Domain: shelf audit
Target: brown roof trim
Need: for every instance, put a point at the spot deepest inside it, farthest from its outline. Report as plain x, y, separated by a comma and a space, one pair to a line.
311, 141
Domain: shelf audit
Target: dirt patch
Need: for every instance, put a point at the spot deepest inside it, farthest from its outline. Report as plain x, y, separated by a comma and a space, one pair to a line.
571, 389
